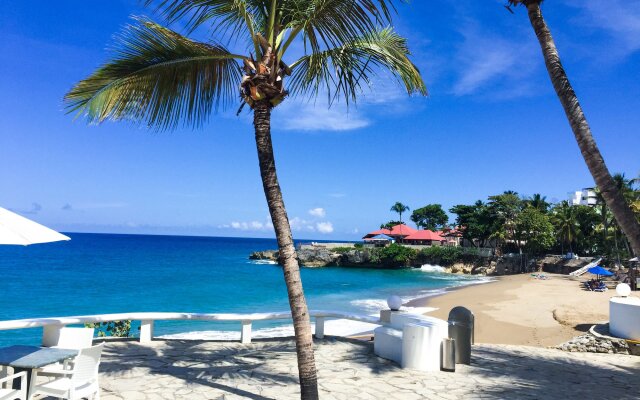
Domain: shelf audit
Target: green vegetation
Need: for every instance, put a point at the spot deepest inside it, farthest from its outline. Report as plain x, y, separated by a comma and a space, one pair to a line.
510, 223
431, 217
394, 255
390, 224
441, 255
341, 250
534, 230
399, 208
112, 328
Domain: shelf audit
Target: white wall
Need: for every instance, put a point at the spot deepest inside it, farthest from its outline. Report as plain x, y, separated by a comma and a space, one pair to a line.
624, 317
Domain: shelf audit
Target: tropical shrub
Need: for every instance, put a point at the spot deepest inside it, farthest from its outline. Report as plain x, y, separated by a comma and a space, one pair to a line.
394, 255
341, 250
112, 328
441, 255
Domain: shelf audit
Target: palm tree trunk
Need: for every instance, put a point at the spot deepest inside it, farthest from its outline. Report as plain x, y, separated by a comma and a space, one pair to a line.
581, 130
288, 258
605, 225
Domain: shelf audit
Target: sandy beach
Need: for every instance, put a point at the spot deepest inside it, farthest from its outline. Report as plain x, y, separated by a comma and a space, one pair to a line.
520, 309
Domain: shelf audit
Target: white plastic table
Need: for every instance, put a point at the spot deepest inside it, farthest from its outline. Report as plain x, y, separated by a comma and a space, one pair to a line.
30, 358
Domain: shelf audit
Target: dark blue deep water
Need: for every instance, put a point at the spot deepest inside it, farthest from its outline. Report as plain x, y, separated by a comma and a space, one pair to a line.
102, 273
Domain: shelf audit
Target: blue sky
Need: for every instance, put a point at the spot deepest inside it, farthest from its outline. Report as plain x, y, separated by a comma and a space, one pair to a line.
491, 122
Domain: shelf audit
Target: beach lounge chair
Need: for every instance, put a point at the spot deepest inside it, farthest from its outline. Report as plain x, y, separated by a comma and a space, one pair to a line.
7, 393
600, 287
81, 381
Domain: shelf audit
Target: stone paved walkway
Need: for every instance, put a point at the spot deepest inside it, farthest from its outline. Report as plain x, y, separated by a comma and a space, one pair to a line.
349, 370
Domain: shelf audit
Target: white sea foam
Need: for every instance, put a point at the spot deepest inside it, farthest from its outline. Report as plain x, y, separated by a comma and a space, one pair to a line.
343, 327
431, 268
373, 306
263, 262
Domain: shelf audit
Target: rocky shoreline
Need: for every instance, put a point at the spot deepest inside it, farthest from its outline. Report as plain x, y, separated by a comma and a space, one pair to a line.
598, 340
317, 257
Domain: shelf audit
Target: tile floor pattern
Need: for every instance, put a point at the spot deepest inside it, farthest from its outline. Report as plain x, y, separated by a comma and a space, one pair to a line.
348, 369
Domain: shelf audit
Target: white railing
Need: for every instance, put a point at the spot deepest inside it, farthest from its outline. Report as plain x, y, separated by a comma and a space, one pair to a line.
147, 321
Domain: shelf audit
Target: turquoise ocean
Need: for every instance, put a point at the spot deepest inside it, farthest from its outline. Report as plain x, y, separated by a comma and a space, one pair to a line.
109, 273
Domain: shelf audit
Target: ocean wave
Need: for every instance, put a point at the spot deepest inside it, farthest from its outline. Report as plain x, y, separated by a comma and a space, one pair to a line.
373, 306
431, 268
263, 262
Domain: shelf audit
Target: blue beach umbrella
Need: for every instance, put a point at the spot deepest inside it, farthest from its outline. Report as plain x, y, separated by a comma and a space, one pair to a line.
598, 270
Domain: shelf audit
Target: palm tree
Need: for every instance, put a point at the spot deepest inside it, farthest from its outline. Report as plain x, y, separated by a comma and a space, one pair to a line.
581, 130
163, 79
566, 223
399, 208
539, 202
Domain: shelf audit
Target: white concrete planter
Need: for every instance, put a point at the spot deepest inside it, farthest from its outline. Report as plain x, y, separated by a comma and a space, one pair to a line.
624, 317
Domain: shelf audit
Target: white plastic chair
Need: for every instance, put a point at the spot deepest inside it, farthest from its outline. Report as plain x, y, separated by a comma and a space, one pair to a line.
65, 338
14, 394
81, 381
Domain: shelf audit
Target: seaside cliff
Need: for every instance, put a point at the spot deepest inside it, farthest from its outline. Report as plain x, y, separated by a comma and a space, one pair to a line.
315, 257
452, 259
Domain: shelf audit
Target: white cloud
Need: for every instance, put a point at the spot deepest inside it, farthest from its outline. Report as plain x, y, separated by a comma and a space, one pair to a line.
249, 226
620, 19
318, 212
324, 227
299, 224
310, 117
491, 63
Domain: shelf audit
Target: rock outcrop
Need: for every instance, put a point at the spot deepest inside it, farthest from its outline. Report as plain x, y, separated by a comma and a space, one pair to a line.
322, 257
269, 255
318, 257
560, 265
597, 340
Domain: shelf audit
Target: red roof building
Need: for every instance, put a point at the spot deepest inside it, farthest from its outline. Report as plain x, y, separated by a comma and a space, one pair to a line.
424, 237
376, 233
408, 235
402, 230
397, 232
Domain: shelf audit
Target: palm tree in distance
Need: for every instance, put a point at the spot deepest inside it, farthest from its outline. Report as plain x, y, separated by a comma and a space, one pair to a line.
581, 129
539, 202
163, 79
399, 208
566, 222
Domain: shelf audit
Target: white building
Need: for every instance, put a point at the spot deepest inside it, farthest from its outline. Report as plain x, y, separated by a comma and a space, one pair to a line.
584, 197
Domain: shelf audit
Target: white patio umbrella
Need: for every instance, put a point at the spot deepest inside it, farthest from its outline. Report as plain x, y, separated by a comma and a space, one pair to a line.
17, 230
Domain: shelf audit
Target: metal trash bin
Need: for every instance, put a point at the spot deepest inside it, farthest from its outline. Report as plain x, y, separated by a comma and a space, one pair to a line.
461, 329
448, 355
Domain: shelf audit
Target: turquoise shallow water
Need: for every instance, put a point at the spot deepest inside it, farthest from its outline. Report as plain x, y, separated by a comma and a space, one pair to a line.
100, 273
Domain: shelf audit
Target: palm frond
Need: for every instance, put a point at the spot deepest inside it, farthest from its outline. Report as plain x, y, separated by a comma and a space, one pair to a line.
232, 18
329, 23
159, 77
341, 72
